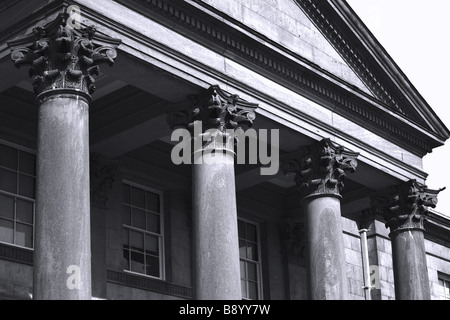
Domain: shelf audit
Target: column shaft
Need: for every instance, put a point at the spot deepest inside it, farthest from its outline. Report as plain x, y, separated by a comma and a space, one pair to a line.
320, 170
63, 61
217, 271
62, 265
405, 207
325, 246
410, 266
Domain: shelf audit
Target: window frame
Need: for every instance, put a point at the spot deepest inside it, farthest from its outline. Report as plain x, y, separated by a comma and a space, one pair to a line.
161, 235
259, 273
16, 196
446, 280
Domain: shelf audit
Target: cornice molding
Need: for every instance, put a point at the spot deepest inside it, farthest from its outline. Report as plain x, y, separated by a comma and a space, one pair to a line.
290, 70
284, 67
393, 74
354, 59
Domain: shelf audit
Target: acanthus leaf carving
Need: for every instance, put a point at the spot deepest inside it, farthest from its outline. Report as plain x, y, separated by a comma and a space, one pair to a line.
320, 168
405, 206
63, 58
215, 109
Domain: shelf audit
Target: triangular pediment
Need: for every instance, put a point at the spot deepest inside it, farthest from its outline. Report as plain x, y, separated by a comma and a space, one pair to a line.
362, 52
285, 22
332, 39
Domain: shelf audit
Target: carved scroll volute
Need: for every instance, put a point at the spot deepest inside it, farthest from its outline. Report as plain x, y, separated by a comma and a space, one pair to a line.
405, 206
214, 109
320, 168
62, 58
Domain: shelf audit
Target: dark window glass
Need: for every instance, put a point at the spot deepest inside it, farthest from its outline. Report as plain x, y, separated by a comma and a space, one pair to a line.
8, 157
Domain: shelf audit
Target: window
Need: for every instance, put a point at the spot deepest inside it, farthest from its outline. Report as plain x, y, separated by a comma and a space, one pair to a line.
444, 288
17, 194
250, 261
143, 230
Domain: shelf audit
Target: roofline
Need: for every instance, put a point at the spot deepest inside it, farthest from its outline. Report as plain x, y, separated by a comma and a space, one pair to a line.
372, 47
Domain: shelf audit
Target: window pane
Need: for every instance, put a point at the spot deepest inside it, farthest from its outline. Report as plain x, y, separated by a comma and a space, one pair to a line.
24, 235
126, 238
138, 218
441, 286
152, 266
242, 266
251, 271
242, 249
126, 255
126, 215
8, 157
8, 180
137, 241
27, 163
137, 262
241, 229
26, 186
138, 197
24, 211
151, 245
152, 201
252, 290
6, 207
244, 289
126, 194
252, 251
153, 222
6, 231
251, 232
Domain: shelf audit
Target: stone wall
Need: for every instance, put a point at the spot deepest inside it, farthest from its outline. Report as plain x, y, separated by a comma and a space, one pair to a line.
16, 280
353, 260
438, 261
284, 22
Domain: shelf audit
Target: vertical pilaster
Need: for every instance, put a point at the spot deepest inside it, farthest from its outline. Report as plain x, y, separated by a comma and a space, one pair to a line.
102, 176
319, 173
63, 62
212, 118
404, 208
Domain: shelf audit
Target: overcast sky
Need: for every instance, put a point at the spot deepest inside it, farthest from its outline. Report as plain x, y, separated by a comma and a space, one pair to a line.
416, 34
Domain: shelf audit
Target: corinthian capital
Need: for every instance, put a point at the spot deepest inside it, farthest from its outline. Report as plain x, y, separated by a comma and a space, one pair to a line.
405, 206
320, 168
63, 58
215, 109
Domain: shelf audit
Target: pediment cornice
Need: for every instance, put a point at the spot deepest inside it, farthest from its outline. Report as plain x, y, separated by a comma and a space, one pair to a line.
230, 38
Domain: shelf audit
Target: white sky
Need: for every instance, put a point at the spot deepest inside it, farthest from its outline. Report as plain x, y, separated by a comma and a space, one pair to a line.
416, 34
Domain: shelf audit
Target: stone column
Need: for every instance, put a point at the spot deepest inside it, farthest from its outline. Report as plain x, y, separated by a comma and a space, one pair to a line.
319, 173
213, 118
63, 62
404, 208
